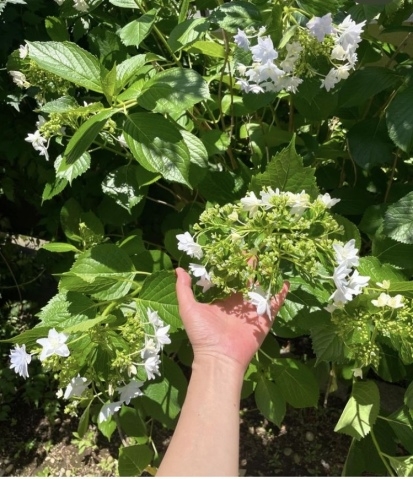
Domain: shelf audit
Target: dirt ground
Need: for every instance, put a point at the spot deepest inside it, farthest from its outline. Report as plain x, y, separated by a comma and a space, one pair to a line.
304, 446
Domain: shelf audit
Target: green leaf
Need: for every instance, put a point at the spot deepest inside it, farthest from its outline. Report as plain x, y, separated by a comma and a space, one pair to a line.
123, 186
60, 248
187, 32
393, 252
270, 401
136, 31
84, 421
132, 424
205, 47
286, 172
369, 143
158, 146
236, 14
408, 396
128, 69
124, 3
53, 189
158, 293
133, 460
364, 84
327, 344
85, 135
378, 272
403, 465
69, 61
56, 29
399, 119
70, 219
398, 220
108, 427
61, 105
108, 80
70, 171
197, 150
67, 309
361, 410
173, 91
402, 424
104, 271
296, 381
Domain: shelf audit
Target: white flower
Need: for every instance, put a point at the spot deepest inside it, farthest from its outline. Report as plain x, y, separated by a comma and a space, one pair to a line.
395, 301
268, 70
80, 5
23, 51
330, 80
38, 143
40, 121
130, 391
262, 302
347, 254
321, 26
241, 40
60, 2
19, 79
154, 318
122, 141
385, 284
19, 360
199, 271
358, 373
291, 83
76, 387
267, 195
264, 50
186, 243
251, 203
152, 366
150, 349
349, 32
381, 301
299, 202
357, 282
205, 282
109, 409
161, 336
327, 200
53, 344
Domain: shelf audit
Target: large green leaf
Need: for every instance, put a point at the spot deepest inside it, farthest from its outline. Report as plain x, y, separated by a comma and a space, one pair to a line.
398, 220
158, 146
369, 143
286, 172
173, 91
270, 400
365, 83
136, 31
361, 410
69, 61
158, 293
84, 137
327, 345
296, 381
70, 171
134, 459
187, 32
399, 119
104, 271
393, 252
236, 14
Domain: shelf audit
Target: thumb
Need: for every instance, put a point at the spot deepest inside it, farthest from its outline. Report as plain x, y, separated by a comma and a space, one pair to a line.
184, 289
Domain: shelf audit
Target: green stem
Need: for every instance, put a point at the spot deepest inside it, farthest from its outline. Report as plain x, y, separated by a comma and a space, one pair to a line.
381, 455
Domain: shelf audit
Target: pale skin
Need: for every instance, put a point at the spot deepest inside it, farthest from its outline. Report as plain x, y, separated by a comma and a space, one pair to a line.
225, 336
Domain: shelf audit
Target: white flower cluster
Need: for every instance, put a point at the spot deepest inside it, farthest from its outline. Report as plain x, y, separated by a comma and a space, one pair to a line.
187, 244
298, 202
55, 343
38, 142
346, 37
346, 279
384, 300
265, 74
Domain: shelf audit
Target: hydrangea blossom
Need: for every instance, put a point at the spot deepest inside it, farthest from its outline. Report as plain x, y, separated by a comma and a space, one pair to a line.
199, 271
130, 391
19, 79
76, 387
321, 26
186, 243
241, 40
19, 360
108, 410
262, 301
80, 5
55, 343
393, 302
39, 143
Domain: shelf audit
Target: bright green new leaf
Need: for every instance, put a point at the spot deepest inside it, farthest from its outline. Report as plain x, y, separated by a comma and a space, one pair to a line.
270, 401
399, 119
85, 135
104, 271
69, 61
158, 146
126, 70
398, 220
134, 459
173, 91
296, 381
136, 31
108, 427
378, 272
61, 105
158, 293
60, 247
286, 172
70, 171
403, 465
53, 189
108, 79
361, 410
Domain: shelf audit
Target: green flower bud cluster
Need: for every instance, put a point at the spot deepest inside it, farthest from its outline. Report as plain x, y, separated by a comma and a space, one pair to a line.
260, 241
46, 81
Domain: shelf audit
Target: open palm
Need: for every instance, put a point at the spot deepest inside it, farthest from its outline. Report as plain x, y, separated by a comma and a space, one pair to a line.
229, 329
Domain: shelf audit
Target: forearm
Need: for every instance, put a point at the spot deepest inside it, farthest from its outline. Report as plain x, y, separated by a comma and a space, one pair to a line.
206, 439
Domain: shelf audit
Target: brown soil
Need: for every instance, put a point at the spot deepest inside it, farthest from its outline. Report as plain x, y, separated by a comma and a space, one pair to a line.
305, 445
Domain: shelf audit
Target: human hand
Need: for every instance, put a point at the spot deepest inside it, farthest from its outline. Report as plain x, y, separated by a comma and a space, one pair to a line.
230, 329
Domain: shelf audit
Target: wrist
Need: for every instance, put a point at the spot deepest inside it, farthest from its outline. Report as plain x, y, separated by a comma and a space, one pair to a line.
221, 367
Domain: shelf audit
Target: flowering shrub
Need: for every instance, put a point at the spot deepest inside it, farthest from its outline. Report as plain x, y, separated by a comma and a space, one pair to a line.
252, 143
